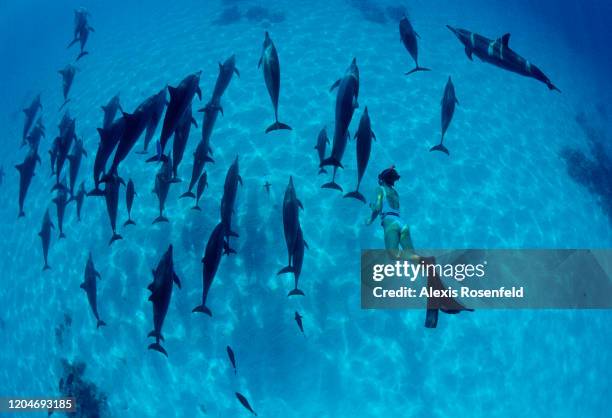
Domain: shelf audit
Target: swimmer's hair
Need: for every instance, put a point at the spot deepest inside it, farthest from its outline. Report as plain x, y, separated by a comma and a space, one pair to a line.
388, 176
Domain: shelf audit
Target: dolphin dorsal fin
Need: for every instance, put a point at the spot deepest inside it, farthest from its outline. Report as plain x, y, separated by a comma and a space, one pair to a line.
505, 39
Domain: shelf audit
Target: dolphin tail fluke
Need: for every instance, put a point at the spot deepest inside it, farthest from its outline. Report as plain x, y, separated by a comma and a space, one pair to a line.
356, 195
332, 185
46, 267
296, 292
278, 125
196, 207
331, 161
158, 347
62, 235
129, 222
440, 147
322, 171
417, 68
160, 218
187, 194
100, 323
64, 104
175, 180
202, 309
156, 158
82, 54
284, 270
114, 238
209, 159
21, 214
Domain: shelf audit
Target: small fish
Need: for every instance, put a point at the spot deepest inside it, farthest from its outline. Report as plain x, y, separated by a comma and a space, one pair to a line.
232, 357
245, 402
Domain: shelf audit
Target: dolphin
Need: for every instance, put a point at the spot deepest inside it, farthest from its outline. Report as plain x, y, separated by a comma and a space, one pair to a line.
226, 72
215, 247
161, 292
202, 183
36, 134
364, 137
110, 111
232, 357
61, 201
291, 221
79, 199
230, 190
180, 99
109, 138
449, 100
89, 285
408, 37
75, 162
271, 70
135, 124
346, 103
163, 179
244, 402
45, 237
322, 141
81, 30
180, 140
67, 74
498, 53
130, 192
157, 104
26, 172
298, 319
53, 154
62, 148
30, 114
298, 259
111, 196
267, 187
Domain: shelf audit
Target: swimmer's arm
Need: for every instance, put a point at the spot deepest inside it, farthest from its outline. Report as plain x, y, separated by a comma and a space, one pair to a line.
376, 208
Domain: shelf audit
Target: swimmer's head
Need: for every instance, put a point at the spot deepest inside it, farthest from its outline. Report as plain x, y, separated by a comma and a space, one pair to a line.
388, 176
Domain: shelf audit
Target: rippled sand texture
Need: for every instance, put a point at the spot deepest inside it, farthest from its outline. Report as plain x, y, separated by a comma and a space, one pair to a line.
504, 186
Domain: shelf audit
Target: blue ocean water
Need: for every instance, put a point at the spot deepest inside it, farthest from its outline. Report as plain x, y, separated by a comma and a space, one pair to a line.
506, 184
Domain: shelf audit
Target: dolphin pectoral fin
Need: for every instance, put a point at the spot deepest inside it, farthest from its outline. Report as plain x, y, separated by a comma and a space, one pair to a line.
336, 84
551, 86
82, 286
158, 347
260, 60
417, 35
176, 280
373, 135
468, 52
240, 180
355, 102
237, 72
300, 204
199, 92
306, 245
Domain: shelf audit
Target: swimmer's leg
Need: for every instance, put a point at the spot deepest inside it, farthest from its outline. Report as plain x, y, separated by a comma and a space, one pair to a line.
392, 239
407, 246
